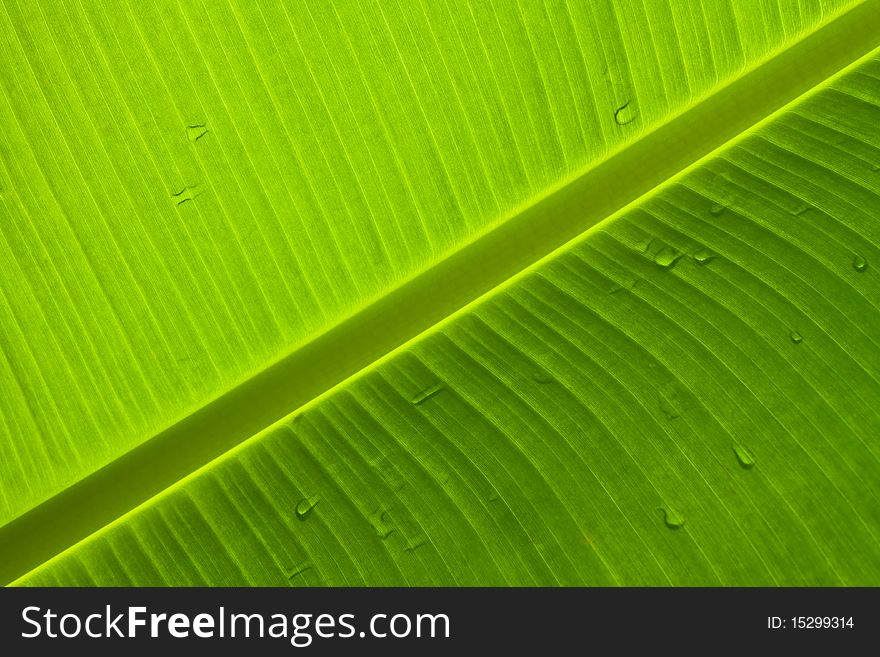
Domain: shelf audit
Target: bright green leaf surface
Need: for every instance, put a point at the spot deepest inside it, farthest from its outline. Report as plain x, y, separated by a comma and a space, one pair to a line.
688, 395
345, 147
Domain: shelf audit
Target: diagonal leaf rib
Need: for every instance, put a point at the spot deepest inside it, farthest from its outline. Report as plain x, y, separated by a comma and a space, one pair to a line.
520, 240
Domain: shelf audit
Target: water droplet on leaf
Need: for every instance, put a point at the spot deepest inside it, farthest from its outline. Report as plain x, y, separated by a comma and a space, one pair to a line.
610, 73
704, 256
860, 264
196, 132
305, 506
672, 517
382, 524
415, 544
624, 114
543, 377
668, 409
722, 193
673, 399
666, 257
188, 193
744, 455
299, 569
427, 393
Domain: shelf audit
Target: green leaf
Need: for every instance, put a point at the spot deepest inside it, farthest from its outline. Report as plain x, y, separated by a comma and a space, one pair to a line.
274, 310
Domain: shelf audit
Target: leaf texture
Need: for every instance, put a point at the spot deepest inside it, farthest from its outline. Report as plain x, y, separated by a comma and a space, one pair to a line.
192, 190
686, 396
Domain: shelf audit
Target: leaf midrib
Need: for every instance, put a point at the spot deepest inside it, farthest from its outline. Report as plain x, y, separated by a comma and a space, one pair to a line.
501, 255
